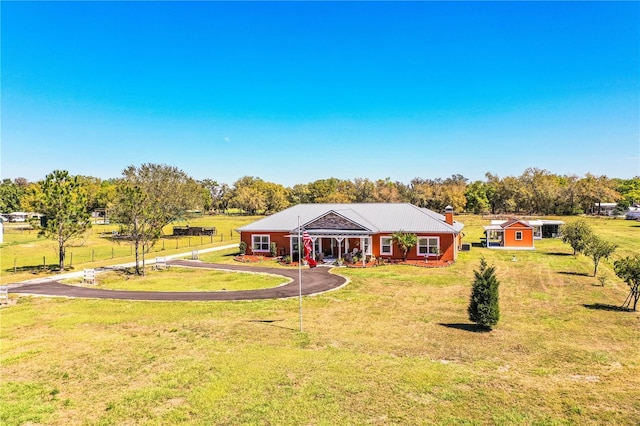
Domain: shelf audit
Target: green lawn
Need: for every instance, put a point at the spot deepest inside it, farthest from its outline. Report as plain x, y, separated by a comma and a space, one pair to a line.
392, 347
183, 279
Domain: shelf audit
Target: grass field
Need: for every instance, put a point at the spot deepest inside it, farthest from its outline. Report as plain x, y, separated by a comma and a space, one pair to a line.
24, 250
392, 347
182, 279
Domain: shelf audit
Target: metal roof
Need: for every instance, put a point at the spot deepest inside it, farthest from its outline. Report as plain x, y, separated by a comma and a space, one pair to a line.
378, 217
537, 222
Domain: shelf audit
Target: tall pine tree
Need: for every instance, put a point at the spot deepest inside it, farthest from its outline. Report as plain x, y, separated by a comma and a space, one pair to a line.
483, 305
63, 202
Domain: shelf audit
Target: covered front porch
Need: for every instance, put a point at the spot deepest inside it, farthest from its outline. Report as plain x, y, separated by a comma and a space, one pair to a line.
494, 236
329, 246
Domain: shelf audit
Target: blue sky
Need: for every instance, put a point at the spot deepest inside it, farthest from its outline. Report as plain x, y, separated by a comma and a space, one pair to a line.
294, 92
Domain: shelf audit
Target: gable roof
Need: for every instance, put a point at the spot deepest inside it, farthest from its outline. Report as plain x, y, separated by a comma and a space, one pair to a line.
333, 220
375, 217
512, 222
535, 222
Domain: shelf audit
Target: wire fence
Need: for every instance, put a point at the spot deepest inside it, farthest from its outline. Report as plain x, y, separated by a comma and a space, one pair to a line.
108, 249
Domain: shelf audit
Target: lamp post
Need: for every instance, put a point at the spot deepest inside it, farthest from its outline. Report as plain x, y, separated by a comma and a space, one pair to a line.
300, 274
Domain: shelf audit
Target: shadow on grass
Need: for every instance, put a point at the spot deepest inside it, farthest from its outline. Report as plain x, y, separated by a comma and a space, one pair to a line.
271, 323
557, 253
581, 274
36, 269
607, 307
474, 328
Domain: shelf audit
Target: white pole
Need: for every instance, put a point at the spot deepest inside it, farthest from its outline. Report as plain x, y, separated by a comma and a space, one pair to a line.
300, 272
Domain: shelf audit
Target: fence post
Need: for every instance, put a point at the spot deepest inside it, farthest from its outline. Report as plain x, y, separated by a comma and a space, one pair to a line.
162, 244
130, 249
15, 259
189, 242
112, 252
200, 239
93, 252
211, 239
71, 260
44, 263
177, 243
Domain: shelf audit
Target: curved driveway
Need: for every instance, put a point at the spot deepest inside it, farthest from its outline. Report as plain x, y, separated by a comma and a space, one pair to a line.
316, 280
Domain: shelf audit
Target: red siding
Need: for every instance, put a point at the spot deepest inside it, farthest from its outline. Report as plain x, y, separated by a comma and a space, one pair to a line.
279, 238
510, 235
448, 242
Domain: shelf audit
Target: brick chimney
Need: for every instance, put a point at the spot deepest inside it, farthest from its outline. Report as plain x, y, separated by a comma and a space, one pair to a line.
448, 215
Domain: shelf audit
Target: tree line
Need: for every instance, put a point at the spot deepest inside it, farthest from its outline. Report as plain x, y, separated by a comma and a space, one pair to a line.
148, 197
535, 191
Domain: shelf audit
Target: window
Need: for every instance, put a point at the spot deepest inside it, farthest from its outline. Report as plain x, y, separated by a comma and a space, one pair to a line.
260, 242
386, 245
518, 235
428, 246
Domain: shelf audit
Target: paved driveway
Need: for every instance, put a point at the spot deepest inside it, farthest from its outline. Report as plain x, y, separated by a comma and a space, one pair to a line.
316, 280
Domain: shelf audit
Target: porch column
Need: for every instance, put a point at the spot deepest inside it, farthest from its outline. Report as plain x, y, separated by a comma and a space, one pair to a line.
364, 252
339, 240
313, 247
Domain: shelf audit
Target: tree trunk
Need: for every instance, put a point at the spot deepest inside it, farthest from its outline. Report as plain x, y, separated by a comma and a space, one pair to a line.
143, 250
136, 238
137, 244
61, 249
61, 254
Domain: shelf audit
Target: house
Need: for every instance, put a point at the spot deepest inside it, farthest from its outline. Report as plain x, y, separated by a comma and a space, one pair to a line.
518, 234
337, 229
542, 228
19, 216
604, 209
